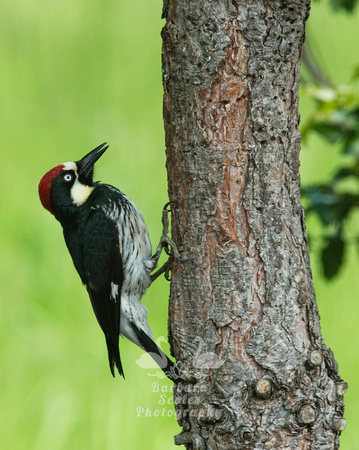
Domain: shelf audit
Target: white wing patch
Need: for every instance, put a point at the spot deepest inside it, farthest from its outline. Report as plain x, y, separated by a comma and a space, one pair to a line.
114, 291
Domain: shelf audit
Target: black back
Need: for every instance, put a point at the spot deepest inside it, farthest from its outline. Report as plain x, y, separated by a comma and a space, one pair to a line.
93, 242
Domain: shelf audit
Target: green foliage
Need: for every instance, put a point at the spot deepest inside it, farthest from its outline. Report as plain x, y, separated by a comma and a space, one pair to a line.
336, 119
346, 5
74, 74
332, 255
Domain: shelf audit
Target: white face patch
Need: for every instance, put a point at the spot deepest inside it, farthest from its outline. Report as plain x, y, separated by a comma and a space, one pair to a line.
79, 192
70, 166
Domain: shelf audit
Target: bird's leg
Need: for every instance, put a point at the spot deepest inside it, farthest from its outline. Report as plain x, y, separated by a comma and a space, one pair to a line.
167, 245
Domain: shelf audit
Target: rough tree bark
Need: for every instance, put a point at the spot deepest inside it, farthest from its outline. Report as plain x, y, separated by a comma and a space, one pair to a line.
243, 316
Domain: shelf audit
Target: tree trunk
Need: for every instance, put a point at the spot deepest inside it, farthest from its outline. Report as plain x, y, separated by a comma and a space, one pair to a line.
243, 316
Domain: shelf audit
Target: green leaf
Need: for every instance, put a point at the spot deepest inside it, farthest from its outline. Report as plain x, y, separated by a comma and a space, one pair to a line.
329, 131
343, 173
347, 5
352, 147
332, 207
323, 201
332, 256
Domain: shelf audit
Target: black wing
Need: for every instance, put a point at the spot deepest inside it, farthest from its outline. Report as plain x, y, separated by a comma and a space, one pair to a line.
103, 276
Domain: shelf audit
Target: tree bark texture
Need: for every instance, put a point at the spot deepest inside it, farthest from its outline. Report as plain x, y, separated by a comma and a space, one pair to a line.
243, 316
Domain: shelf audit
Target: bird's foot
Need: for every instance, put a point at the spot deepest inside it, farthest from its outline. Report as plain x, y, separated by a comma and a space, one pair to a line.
166, 244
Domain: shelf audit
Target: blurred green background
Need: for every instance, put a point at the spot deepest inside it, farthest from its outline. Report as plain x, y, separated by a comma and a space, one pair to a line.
74, 74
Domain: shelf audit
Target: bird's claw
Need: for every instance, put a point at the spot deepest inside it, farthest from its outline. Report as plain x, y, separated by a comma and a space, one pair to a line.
166, 244
170, 248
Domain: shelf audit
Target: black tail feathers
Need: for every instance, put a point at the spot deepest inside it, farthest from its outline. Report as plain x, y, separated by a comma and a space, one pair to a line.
168, 367
114, 358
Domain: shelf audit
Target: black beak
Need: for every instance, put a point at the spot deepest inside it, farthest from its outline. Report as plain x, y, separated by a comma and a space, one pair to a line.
85, 165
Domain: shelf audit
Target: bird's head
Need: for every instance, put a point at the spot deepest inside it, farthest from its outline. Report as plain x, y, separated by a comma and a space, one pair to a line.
70, 183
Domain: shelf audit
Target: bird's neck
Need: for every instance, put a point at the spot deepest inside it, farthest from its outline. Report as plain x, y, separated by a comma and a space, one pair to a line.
70, 216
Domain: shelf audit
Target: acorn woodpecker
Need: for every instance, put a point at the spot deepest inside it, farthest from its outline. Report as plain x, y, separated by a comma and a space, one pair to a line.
109, 244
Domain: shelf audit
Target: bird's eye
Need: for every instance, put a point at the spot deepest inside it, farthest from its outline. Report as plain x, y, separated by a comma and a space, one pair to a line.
67, 177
